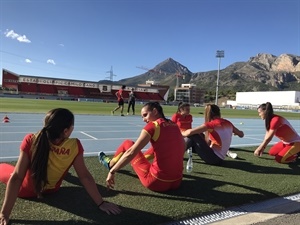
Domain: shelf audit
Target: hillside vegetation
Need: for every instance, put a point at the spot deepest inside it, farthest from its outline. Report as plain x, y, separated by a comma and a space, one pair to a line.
264, 72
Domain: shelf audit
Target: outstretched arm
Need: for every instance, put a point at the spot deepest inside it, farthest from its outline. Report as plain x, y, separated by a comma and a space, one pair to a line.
140, 143
197, 130
90, 186
13, 187
268, 137
238, 132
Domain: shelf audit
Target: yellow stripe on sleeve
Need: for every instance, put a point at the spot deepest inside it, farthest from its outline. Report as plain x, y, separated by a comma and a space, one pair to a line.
156, 131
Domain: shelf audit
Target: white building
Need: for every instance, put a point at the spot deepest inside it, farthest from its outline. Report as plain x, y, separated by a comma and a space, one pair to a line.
279, 99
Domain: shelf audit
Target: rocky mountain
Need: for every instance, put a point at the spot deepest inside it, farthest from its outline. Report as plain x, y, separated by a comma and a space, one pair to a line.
263, 72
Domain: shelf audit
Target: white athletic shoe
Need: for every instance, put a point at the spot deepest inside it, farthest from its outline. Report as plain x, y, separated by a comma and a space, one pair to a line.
231, 154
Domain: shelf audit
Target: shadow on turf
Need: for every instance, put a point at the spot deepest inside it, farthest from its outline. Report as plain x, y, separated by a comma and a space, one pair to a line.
295, 166
56, 222
242, 164
75, 201
195, 190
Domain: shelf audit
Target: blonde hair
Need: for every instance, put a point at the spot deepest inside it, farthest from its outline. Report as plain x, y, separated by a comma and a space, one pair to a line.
211, 111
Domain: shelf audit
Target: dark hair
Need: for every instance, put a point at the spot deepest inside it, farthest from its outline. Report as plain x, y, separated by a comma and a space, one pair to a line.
123, 86
212, 111
157, 106
269, 113
182, 105
55, 122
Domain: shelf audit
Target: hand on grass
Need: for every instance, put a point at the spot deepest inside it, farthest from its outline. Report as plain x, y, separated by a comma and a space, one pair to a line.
3, 219
110, 181
110, 208
259, 151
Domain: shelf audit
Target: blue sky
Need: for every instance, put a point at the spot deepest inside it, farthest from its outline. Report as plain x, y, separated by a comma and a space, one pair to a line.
82, 39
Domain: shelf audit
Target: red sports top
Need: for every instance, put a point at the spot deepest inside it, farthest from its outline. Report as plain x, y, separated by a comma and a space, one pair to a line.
184, 122
284, 130
220, 134
120, 94
168, 146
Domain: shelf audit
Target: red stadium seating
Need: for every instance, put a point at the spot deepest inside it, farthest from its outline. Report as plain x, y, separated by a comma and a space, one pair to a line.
29, 88
62, 88
47, 89
76, 91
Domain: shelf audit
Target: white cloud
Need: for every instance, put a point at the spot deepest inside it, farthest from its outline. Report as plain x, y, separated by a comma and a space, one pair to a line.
28, 61
11, 34
51, 61
21, 38
61, 45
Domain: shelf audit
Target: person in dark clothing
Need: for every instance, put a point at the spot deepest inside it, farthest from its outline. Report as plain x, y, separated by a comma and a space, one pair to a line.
131, 102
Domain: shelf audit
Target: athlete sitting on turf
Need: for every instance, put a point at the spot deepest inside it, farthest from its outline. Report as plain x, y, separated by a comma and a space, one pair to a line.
184, 120
45, 158
167, 148
218, 134
288, 149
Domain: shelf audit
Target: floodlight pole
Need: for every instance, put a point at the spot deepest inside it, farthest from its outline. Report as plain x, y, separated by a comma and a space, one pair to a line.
219, 55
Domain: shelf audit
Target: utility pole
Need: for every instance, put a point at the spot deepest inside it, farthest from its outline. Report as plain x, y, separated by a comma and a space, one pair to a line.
219, 55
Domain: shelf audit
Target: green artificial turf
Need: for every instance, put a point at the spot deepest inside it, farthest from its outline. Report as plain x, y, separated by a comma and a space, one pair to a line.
247, 179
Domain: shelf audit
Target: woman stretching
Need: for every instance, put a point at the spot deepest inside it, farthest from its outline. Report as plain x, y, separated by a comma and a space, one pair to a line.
285, 151
45, 158
214, 147
167, 149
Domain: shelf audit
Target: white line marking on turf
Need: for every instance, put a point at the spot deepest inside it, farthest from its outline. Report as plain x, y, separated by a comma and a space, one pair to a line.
88, 135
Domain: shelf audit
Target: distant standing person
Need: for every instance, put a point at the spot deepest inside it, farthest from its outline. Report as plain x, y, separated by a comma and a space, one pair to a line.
288, 149
131, 102
120, 98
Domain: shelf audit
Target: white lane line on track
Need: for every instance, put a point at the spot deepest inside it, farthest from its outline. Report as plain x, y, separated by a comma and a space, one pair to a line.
83, 139
257, 139
108, 131
88, 135
9, 157
250, 144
